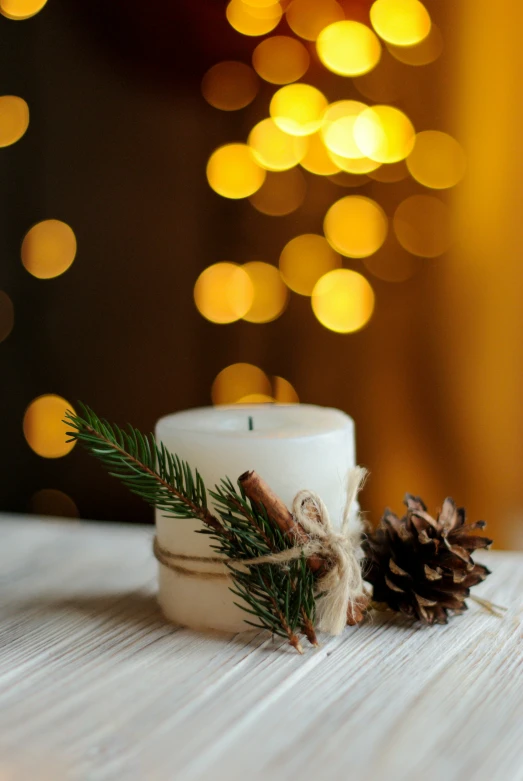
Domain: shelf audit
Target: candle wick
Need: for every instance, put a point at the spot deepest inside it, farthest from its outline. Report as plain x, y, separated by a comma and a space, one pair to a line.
251, 424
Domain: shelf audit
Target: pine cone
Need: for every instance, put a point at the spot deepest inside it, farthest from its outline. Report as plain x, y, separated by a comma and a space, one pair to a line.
422, 566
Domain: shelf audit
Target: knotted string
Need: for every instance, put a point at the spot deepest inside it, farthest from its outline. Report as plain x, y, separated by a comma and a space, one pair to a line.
167, 558
341, 585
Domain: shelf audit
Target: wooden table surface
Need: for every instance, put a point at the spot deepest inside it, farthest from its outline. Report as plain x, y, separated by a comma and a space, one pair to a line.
94, 685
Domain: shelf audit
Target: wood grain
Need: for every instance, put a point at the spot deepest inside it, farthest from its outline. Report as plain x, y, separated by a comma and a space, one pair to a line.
95, 686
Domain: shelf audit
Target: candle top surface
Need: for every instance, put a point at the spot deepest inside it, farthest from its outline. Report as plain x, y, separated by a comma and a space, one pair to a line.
265, 421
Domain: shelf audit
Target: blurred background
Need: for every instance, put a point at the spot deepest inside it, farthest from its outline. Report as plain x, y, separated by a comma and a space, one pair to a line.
313, 200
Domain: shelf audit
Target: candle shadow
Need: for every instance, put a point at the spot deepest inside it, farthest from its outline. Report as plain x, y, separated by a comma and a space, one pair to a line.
137, 611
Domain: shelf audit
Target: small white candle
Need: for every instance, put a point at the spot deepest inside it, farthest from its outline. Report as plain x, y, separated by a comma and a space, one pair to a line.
290, 446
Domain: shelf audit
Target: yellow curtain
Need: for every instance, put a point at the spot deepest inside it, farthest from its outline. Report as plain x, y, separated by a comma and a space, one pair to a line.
481, 302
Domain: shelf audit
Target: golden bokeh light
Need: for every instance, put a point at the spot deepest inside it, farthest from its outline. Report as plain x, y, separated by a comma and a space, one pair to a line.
355, 226
237, 381
298, 109
400, 22
280, 59
21, 9
48, 249
50, 501
390, 172
256, 398
338, 127
281, 193
274, 149
358, 165
304, 260
343, 301
423, 53
223, 293
384, 134
437, 160
307, 18
7, 315
14, 119
44, 428
259, 3
348, 48
317, 159
230, 85
270, 294
284, 392
422, 225
253, 20
232, 171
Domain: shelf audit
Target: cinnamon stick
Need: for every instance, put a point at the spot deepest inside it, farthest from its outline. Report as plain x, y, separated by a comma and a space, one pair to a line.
259, 492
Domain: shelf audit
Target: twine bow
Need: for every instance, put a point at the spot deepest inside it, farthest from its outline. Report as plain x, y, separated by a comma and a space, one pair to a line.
341, 586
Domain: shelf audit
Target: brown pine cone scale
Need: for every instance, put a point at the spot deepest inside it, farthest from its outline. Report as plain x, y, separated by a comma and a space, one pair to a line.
422, 566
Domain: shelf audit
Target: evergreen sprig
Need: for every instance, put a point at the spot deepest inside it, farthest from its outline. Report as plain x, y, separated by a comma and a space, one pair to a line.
281, 598
163, 480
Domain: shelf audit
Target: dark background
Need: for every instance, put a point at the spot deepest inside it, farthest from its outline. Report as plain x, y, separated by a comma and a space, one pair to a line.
116, 148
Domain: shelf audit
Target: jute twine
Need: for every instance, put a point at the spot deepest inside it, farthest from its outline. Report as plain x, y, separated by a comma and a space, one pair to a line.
340, 586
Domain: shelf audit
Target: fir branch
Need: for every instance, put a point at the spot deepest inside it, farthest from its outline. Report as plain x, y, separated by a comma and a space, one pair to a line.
289, 589
163, 480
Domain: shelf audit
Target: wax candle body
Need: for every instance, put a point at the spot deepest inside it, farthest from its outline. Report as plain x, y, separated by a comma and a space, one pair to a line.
291, 446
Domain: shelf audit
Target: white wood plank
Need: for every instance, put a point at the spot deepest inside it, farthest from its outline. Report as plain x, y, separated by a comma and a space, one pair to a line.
95, 685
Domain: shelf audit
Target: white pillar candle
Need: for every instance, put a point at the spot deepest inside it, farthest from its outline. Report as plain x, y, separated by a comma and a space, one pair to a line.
290, 446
